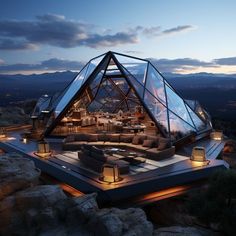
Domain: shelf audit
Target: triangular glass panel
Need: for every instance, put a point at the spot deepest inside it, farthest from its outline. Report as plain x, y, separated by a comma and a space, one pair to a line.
71, 91
178, 127
158, 111
112, 69
200, 125
136, 67
92, 65
177, 105
137, 86
154, 83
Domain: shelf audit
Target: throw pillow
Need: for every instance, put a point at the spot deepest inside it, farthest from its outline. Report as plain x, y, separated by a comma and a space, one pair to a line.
135, 140
98, 156
148, 143
93, 138
70, 138
115, 138
142, 137
97, 150
126, 138
164, 143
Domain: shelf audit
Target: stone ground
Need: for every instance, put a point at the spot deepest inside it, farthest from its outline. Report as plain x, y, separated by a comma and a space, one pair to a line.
28, 208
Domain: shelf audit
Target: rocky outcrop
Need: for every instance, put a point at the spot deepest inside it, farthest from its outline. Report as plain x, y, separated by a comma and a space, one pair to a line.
118, 222
27, 209
13, 116
30, 209
16, 173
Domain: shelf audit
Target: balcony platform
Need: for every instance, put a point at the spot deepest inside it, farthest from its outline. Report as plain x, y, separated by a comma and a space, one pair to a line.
144, 179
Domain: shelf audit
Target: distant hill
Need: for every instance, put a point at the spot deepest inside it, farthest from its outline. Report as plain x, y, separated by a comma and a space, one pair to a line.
21, 87
216, 92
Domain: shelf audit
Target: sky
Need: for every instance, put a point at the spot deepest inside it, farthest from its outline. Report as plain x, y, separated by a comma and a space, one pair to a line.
179, 36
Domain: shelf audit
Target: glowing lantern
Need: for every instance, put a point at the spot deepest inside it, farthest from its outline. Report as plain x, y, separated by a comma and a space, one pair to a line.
110, 173
198, 154
217, 135
43, 149
3, 133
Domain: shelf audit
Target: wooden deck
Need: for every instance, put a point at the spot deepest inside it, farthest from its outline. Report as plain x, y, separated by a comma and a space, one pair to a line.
145, 178
213, 148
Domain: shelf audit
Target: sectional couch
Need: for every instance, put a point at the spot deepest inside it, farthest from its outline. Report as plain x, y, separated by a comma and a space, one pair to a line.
154, 147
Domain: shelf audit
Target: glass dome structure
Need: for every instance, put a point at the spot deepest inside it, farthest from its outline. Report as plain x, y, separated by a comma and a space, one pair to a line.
114, 82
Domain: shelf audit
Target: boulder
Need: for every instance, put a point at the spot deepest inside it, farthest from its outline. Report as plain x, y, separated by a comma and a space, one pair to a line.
39, 197
117, 222
31, 210
171, 212
80, 209
16, 173
182, 231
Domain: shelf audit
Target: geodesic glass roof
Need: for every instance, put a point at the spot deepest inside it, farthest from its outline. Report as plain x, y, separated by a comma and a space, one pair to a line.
113, 82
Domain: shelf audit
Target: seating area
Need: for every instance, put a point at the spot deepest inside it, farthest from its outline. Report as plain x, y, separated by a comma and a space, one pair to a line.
94, 158
153, 147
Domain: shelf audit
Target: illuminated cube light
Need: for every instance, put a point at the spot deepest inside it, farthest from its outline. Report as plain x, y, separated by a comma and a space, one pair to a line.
3, 133
24, 140
217, 135
43, 149
110, 173
198, 154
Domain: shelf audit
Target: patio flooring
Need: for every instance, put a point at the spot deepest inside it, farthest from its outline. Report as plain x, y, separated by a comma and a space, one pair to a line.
143, 178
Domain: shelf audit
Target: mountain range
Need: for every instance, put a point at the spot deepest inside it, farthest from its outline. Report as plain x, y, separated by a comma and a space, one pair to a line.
216, 92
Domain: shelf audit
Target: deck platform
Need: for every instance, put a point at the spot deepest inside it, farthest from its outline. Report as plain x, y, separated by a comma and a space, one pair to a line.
145, 178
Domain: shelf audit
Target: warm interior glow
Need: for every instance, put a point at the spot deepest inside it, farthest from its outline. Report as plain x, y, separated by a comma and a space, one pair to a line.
43, 149
217, 135
198, 154
110, 173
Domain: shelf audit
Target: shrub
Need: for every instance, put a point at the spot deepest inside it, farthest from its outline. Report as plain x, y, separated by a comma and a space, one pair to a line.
216, 204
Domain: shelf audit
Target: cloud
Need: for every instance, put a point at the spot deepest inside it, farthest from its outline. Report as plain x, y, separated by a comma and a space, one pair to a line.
157, 31
53, 64
96, 40
228, 61
133, 52
56, 30
178, 29
164, 65
168, 65
8, 44
152, 31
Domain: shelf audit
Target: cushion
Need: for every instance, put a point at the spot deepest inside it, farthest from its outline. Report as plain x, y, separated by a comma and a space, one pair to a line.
97, 150
81, 137
102, 137
164, 143
142, 137
148, 143
136, 140
115, 138
155, 140
98, 156
126, 138
86, 147
70, 138
92, 138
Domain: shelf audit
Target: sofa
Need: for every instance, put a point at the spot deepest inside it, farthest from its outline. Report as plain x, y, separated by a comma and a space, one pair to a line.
154, 147
94, 158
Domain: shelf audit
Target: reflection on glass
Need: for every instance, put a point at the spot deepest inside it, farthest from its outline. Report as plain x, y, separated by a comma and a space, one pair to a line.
136, 67
178, 127
200, 125
177, 105
155, 84
157, 110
